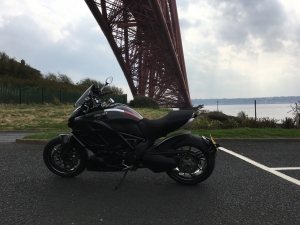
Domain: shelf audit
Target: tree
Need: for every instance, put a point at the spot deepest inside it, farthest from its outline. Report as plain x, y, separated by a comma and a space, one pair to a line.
22, 69
13, 67
51, 76
63, 78
88, 82
4, 57
4, 66
242, 115
116, 90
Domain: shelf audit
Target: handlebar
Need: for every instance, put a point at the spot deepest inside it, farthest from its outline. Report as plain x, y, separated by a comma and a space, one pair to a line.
96, 96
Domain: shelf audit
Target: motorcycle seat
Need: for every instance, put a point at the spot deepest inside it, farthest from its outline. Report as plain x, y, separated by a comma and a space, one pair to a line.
154, 129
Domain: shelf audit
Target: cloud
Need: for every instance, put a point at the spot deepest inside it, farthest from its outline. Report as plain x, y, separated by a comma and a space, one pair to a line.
50, 16
82, 52
232, 48
259, 19
240, 48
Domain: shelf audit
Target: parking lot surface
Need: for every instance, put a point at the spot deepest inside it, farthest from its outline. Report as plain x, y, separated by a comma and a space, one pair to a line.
238, 192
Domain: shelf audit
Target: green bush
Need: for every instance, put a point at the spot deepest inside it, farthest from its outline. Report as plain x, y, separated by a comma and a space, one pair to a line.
143, 102
264, 122
217, 116
218, 120
230, 123
242, 115
288, 123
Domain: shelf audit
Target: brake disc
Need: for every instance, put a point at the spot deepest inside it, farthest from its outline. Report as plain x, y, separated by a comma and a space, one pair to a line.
188, 163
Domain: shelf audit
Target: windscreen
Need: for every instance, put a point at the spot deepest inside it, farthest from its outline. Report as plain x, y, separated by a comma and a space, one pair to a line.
83, 97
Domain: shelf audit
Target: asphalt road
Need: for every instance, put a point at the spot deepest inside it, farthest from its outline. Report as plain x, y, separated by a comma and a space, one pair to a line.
236, 193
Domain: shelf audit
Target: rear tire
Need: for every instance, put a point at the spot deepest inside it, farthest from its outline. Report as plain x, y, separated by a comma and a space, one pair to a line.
73, 164
193, 168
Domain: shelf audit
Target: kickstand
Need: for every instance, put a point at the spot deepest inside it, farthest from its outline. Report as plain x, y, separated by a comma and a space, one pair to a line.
125, 174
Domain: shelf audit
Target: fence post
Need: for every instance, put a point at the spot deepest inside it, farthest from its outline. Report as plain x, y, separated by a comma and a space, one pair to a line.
20, 95
42, 95
60, 96
255, 108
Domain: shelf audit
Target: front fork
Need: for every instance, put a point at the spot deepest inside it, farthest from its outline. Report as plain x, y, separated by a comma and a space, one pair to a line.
66, 144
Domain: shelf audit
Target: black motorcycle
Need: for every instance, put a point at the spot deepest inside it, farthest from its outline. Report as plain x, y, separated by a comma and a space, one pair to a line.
108, 136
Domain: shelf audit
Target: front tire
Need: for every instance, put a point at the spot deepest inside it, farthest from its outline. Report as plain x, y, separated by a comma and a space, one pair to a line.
194, 167
72, 164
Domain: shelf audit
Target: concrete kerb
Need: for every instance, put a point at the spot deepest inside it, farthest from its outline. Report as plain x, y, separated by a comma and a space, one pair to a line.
241, 140
32, 141
19, 131
19, 134
221, 141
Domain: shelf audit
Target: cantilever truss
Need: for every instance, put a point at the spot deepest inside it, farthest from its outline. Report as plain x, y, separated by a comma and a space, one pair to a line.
145, 38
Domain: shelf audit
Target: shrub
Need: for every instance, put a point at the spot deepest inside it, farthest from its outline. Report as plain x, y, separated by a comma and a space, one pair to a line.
230, 123
217, 116
296, 112
143, 102
288, 123
265, 122
242, 115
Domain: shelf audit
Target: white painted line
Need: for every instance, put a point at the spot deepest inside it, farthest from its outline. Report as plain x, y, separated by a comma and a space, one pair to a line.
286, 168
270, 170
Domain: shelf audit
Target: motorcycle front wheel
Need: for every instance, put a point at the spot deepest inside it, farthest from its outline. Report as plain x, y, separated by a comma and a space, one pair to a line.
69, 164
194, 167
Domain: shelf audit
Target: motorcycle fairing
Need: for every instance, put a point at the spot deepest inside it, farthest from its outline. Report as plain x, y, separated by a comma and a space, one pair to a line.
93, 133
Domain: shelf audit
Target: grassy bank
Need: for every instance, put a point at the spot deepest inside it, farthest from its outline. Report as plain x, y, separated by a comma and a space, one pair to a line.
48, 117
39, 117
52, 119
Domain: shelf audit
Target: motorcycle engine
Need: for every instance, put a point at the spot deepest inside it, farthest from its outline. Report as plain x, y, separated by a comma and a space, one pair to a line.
119, 157
130, 158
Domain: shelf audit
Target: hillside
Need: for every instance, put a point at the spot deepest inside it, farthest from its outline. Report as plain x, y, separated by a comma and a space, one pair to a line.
16, 73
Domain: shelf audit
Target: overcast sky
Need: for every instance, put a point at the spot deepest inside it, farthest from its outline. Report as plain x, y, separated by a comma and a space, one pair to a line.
232, 48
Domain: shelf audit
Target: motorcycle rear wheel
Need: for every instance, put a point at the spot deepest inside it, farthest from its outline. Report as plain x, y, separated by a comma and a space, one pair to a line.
73, 164
193, 168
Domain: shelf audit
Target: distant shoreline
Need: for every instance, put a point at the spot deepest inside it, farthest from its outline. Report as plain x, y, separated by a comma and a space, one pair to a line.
247, 101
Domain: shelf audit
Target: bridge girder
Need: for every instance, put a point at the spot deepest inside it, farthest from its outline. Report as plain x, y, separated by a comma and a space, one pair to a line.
145, 38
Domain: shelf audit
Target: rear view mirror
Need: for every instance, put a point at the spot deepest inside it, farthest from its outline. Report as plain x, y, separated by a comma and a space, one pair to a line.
109, 80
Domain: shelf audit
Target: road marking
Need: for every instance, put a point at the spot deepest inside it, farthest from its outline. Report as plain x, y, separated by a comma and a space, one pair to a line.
286, 168
270, 170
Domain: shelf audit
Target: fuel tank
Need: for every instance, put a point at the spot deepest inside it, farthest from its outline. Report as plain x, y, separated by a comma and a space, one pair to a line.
123, 119
118, 117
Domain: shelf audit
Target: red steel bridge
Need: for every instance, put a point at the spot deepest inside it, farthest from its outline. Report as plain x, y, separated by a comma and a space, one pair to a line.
145, 38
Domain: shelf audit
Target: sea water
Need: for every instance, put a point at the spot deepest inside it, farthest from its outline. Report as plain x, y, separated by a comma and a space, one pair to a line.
276, 111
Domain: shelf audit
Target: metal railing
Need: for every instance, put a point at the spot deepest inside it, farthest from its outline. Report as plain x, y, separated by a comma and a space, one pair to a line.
26, 95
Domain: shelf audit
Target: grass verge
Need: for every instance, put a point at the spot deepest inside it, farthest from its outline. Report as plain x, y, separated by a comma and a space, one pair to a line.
52, 120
